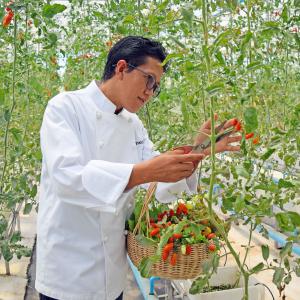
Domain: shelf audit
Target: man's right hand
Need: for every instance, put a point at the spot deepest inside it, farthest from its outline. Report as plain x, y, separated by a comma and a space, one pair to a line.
171, 166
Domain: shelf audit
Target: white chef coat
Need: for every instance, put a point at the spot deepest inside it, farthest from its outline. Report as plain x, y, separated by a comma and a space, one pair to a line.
88, 155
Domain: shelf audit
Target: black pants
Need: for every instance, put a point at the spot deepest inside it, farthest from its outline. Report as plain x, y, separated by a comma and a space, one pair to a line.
43, 297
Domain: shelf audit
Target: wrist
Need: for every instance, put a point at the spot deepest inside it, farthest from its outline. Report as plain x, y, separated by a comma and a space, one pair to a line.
138, 175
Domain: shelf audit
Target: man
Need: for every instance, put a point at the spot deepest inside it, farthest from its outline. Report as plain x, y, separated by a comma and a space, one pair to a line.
95, 152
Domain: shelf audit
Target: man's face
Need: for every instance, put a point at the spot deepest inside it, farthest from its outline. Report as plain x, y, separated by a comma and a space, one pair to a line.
135, 84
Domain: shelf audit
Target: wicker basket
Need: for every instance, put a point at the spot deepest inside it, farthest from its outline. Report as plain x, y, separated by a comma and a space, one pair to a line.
187, 266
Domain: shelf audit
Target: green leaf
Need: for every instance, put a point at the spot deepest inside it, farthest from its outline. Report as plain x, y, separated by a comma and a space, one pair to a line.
5, 250
241, 171
2, 96
198, 285
222, 38
284, 14
227, 203
3, 224
215, 87
131, 225
16, 134
170, 56
146, 265
145, 241
187, 15
278, 276
27, 208
257, 268
52, 37
220, 58
49, 11
265, 252
287, 279
272, 24
196, 228
16, 237
284, 221
255, 65
289, 160
250, 117
246, 39
177, 42
272, 187
286, 263
239, 204
285, 184
128, 19
295, 217
7, 115
33, 191
267, 154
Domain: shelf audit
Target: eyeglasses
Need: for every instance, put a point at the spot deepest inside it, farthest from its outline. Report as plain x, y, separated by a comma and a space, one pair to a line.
151, 81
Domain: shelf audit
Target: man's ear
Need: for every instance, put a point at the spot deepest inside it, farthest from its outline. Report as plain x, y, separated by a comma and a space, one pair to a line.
120, 67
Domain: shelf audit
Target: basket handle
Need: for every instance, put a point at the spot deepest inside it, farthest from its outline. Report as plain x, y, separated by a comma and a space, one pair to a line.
151, 190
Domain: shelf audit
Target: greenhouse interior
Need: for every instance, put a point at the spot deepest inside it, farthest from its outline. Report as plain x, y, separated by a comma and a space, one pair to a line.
150, 150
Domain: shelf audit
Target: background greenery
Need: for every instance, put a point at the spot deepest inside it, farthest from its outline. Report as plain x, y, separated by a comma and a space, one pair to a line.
242, 54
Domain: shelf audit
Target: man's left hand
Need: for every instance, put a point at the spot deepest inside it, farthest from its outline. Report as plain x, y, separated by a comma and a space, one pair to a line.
224, 144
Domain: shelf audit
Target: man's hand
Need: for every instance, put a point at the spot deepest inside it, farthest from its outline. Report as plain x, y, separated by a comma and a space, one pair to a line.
171, 166
223, 144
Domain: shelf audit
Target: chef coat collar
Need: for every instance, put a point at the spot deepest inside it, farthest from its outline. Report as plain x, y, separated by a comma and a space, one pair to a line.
102, 102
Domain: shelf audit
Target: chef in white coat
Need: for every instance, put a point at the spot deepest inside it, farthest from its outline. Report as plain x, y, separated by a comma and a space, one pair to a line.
96, 151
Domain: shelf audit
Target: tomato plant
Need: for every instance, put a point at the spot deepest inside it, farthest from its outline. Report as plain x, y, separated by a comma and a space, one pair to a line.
239, 59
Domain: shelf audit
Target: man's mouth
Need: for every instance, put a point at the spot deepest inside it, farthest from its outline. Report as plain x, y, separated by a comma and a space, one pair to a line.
142, 100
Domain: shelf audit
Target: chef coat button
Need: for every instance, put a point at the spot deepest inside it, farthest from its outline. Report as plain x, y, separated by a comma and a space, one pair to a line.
98, 115
129, 120
100, 144
105, 238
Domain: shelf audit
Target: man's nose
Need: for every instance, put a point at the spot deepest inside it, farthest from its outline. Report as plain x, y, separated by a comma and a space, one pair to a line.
148, 93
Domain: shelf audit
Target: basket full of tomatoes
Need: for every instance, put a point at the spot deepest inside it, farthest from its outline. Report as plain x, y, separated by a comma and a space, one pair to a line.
170, 243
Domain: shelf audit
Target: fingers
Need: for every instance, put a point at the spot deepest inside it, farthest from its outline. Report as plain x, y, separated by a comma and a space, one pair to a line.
183, 149
228, 124
233, 139
190, 157
176, 151
233, 148
207, 124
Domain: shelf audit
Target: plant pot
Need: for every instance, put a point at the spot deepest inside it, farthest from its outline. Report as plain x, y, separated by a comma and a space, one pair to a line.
224, 276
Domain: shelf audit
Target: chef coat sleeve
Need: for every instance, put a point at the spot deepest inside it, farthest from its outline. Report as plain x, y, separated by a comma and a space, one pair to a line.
94, 184
166, 192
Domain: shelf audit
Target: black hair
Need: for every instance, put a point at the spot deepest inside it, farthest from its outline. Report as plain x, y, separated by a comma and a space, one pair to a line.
135, 50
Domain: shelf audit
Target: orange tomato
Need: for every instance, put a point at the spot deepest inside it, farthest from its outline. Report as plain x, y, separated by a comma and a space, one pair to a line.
188, 249
154, 232
233, 122
177, 235
211, 236
249, 135
255, 141
238, 126
212, 247
7, 19
173, 259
